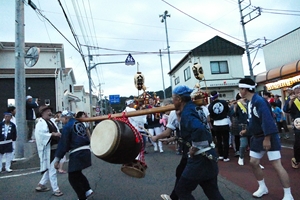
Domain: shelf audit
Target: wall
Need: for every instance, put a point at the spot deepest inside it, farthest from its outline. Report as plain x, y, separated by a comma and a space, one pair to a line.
42, 88
226, 84
283, 50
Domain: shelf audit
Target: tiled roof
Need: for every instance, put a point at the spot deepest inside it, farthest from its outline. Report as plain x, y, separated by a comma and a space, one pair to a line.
216, 46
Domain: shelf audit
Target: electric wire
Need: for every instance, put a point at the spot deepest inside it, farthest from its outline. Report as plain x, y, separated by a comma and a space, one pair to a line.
94, 29
82, 26
202, 22
41, 14
74, 35
91, 35
279, 13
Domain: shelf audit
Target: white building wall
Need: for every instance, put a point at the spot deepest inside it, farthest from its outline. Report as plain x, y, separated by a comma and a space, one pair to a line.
59, 92
282, 51
81, 106
7, 59
46, 60
226, 84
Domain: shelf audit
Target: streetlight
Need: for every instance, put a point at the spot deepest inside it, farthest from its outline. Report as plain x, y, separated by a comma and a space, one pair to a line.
164, 19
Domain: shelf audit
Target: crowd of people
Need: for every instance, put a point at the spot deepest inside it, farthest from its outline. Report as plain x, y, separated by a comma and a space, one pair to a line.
57, 136
248, 122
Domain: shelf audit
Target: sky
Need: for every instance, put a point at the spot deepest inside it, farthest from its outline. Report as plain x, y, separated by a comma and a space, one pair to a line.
120, 27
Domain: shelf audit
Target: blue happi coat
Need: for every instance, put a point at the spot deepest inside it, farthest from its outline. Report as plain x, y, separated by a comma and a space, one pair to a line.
261, 123
74, 136
6, 141
194, 131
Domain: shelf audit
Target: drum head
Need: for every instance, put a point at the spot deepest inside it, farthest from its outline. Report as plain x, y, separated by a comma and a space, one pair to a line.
104, 138
134, 169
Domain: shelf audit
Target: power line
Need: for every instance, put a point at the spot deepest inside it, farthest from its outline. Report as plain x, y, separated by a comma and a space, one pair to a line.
280, 13
74, 35
39, 12
202, 22
281, 10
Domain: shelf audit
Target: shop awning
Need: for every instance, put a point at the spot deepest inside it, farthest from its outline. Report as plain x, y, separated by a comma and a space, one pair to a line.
280, 72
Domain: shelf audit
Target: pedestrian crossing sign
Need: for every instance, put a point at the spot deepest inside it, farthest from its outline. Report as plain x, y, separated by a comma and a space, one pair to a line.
129, 60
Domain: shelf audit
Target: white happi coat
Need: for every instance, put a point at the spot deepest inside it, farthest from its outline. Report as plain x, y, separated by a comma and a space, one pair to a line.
43, 136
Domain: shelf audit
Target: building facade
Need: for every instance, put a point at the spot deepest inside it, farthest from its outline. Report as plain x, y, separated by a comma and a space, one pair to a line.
49, 80
282, 58
222, 65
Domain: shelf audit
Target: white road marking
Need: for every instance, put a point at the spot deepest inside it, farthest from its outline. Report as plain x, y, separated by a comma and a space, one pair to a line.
17, 175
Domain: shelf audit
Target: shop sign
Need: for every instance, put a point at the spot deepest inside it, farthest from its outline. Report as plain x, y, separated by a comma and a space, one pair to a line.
283, 83
223, 84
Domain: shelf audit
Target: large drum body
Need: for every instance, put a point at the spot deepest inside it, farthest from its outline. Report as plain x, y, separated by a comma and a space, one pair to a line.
115, 142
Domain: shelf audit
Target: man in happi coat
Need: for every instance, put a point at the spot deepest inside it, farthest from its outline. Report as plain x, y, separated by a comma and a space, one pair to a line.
7, 136
265, 139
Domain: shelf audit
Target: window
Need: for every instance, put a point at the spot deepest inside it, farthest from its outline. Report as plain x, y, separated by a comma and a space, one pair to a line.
219, 67
177, 80
11, 102
187, 73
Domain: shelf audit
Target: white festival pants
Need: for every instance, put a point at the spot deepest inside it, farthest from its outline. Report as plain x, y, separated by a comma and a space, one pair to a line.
156, 131
52, 176
8, 159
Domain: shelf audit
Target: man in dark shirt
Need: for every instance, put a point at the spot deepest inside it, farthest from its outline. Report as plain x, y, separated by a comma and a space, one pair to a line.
30, 116
219, 110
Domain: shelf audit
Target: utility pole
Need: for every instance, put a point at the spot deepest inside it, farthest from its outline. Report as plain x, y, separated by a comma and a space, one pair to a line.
243, 22
105, 105
90, 88
162, 74
164, 20
100, 97
20, 79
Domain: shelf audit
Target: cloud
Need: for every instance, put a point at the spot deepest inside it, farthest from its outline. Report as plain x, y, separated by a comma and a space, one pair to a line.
136, 26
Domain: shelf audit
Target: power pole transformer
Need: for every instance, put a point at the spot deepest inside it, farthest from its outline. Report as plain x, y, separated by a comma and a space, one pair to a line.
243, 22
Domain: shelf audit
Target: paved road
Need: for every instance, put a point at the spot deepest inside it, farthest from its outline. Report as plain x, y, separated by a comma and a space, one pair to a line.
108, 182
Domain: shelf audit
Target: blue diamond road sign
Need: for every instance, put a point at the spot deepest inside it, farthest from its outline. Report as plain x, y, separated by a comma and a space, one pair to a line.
114, 99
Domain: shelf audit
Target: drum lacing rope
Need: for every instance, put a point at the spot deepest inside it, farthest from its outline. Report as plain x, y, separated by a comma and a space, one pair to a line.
138, 136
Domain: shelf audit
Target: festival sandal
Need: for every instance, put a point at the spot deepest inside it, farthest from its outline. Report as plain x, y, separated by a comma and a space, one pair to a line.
295, 165
42, 188
58, 193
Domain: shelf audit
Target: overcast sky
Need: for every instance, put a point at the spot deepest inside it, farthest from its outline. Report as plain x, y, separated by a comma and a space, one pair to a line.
135, 26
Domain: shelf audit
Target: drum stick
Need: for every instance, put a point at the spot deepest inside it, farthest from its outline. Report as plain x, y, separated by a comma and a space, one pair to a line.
130, 114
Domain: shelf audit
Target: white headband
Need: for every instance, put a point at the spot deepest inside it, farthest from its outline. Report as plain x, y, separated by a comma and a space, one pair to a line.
128, 102
296, 86
244, 85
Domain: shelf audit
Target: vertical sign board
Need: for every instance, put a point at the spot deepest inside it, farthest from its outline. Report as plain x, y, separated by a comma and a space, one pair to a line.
114, 99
